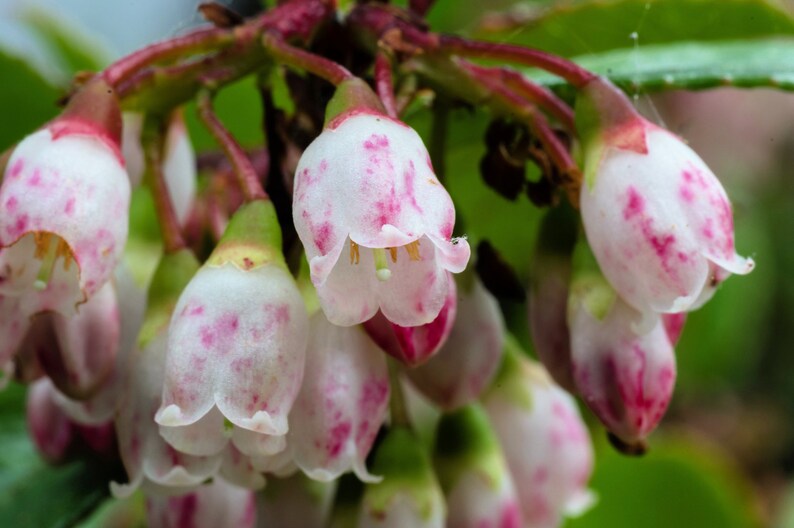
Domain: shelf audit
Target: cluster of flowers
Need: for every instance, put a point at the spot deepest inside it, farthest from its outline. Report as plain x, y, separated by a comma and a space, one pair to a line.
661, 229
220, 374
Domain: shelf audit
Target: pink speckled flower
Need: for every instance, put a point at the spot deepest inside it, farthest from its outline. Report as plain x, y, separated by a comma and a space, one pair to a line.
366, 185
658, 220
150, 461
64, 205
210, 506
467, 362
625, 378
85, 347
342, 403
414, 345
236, 342
545, 441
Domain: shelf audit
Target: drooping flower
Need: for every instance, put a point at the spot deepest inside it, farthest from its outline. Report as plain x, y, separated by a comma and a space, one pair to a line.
375, 221
238, 334
342, 404
213, 505
659, 222
149, 460
414, 345
473, 472
84, 350
409, 494
549, 292
544, 440
467, 362
626, 378
64, 205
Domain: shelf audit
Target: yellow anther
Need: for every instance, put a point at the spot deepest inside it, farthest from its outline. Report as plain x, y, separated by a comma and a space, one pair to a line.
393, 253
413, 250
65, 253
42, 241
354, 256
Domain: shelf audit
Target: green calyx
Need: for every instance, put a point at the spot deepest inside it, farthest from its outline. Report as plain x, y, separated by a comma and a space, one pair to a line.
594, 292
406, 470
252, 238
171, 277
605, 118
352, 95
465, 443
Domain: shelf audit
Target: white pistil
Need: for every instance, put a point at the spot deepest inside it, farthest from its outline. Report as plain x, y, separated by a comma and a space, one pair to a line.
381, 264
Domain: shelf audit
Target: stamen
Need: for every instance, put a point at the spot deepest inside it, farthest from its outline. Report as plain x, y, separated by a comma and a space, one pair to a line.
354, 256
47, 253
413, 250
65, 253
381, 264
393, 253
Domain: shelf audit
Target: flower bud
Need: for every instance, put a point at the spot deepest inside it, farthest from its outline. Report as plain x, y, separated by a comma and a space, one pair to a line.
626, 378
49, 427
414, 345
467, 362
658, 220
210, 506
366, 184
473, 472
237, 337
545, 442
548, 294
64, 205
342, 403
409, 494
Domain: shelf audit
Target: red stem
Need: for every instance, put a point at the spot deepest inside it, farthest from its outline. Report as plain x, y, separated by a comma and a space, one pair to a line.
537, 94
195, 42
305, 60
173, 240
384, 83
573, 73
243, 168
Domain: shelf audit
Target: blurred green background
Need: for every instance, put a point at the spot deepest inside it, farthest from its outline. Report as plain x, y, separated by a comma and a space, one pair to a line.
724, 455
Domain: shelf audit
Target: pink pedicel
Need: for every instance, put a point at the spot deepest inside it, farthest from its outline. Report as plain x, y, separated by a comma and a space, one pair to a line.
467, 362
415, 345
342, 403
236, 343
658, 220
66, 196
211, 505
526, 408
367, 206
625, 378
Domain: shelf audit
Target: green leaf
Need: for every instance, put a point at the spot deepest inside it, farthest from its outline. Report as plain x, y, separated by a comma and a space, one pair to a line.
690, 66
72, 49
680, 482
586, 27
26, 100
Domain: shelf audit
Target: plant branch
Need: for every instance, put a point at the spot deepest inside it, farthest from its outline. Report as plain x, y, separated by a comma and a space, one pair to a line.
243, 168
384, 83
285, 53
153, 145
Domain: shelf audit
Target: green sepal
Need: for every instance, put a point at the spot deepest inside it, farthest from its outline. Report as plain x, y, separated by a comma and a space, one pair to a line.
588, 284
466, 443
516, 375
605, 118
252, 238
405, 467
172, 275
351, 95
